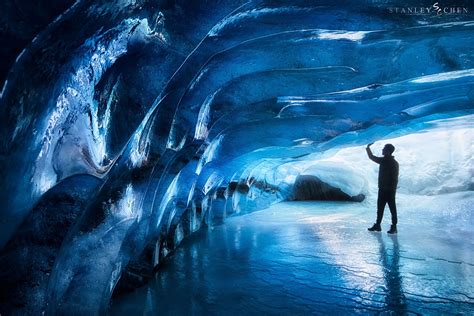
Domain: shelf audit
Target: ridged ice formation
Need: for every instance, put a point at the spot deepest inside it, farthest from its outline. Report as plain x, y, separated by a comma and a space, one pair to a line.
194, 111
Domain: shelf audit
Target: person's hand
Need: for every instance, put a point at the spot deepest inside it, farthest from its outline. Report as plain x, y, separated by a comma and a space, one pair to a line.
368, 145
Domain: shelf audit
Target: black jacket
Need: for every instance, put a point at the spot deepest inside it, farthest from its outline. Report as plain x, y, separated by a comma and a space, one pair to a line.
388, 171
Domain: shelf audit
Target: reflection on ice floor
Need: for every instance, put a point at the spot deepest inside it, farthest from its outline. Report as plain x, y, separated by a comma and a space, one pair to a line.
317, 257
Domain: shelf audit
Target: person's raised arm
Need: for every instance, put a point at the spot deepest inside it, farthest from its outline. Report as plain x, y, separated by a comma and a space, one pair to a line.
371, 155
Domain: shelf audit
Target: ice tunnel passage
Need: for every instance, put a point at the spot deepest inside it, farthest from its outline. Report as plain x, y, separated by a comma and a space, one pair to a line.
128, 126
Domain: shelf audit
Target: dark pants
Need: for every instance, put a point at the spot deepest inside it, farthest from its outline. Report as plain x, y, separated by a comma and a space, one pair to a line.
386, 196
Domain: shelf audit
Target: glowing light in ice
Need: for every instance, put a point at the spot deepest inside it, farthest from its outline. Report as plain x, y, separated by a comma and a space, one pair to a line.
445, 76
337, 35
204, 117
126, 207
210, 153
254, 13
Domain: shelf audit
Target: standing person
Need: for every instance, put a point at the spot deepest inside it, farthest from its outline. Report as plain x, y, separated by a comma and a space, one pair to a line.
388, 180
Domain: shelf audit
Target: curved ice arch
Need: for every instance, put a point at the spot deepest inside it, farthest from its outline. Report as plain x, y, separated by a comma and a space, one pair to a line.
155, 172
183, 77
271, 51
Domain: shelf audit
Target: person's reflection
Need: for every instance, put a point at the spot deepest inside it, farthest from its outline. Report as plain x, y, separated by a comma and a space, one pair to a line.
390, 260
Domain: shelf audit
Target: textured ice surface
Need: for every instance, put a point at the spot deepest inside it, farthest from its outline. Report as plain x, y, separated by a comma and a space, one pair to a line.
318, 257
195, 111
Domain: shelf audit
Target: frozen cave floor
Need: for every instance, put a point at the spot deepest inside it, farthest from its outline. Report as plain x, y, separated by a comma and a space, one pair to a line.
318, 257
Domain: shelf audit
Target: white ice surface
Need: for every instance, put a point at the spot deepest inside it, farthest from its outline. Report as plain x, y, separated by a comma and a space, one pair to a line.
438, 158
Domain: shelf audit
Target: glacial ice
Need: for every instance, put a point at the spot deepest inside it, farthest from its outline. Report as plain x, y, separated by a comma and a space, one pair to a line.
191, 113
302, 257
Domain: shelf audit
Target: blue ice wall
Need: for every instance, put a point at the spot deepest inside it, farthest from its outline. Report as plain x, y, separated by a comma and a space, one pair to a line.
190, 112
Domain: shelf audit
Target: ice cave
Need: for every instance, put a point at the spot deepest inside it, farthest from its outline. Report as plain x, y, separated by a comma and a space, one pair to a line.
209, 157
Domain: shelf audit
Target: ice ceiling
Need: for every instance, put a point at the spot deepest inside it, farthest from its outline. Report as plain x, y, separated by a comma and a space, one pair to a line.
192, 111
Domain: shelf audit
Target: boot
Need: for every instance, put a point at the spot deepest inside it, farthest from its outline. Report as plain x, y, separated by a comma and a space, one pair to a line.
393, 229
375, 228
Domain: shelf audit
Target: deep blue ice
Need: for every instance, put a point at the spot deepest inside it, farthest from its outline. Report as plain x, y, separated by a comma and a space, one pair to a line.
128, 127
